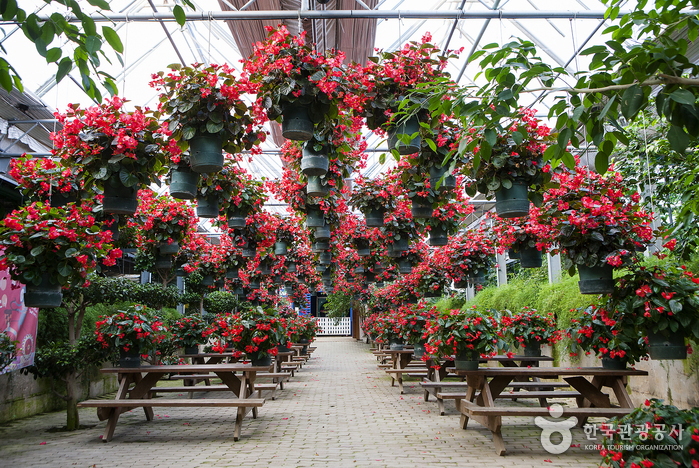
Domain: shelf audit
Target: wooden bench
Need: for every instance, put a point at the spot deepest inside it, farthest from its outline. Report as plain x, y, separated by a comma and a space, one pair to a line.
397, 374
532, 411
118, 405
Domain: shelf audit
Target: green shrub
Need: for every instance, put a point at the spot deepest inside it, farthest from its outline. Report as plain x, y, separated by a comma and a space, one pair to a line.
220, 302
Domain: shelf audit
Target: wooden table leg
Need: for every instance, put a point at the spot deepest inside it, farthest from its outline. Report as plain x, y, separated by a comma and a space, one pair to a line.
474, 384
240, 415
590, 393
122, 393
617, 384
494, 422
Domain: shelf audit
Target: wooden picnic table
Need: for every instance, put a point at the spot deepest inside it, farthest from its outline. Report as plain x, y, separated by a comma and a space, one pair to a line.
400, 365
486, 384
239, 378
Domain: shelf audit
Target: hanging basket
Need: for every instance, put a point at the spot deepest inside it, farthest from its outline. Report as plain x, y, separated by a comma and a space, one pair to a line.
396, 345
466, 360
254, 284
45, 295
405, 267
296, 124
320, 246
315, 187
207, 280
248, 252
314, 163
662, 347
183, 184
421, 208
236, 218
322, 233
168, 249
59, 199
315, 218
280, 248
596, 280
364, 252
615, 363
163, 262
119, 199
291, 267
438, 237
374, 218
530, 257
476, 277
512, 202
448, 181
320, 268
206, 152
512, 254
264, 267
233, 273
325, 258
207, 207
408, 127
130, 359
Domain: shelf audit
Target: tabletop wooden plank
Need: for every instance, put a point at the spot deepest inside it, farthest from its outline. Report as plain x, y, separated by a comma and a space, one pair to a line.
548, 371
199, 368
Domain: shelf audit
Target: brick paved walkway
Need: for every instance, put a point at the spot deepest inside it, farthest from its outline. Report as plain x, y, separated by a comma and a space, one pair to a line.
338, 411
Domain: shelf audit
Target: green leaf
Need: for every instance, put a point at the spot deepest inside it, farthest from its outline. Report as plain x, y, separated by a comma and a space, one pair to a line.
92, 44
36, 251
632, 101
113, 39
180, 17
490, 136
64, 67
606, 108
5, 79
100, 4
213, 127
64, 269
71, 252
53, 54
601, 163
683, 96
188, 132
678, 139
382, 158
568, 160
9, 9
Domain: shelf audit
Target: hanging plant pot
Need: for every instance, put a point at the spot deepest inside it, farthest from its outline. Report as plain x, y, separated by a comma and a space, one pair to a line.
512, 254
433, 293
207, 280
233, 273
191, 350
264, 268
254, 284
530, 257
60, 199
296, 124
327, 275
369, 277
236, 218
325, 258
280, 248
532, 349
401, 245
315, 218
183, 184
421, 208
238, 291
315, 187
248, 252
476, 277
512, 202
179, 272
130, 359
321, 268
314, 163
364, 252
163, 262
289, 290
411, 300
408, 127
405, 267
448, 181
596, 280
380, 284
663, 347
374, 218
322, 233
119, 199
46, 294
291, 267
615, 363
438, 237
328, 286
277, 279
466, 360
320, 246
168, 249
358, 270
261, 360
206, 152
207, 207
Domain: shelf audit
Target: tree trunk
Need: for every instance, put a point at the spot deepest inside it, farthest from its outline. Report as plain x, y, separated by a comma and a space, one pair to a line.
72, 394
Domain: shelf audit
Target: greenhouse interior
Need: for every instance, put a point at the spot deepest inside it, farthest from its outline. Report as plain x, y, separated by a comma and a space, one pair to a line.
334, 232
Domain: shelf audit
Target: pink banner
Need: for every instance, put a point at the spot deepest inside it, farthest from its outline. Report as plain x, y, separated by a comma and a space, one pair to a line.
18, 321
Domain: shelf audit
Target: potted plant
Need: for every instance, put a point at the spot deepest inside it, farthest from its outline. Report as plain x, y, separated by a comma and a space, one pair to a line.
464, 334
188, 333
134, 332
46, 248
43, 179
432, 279
529, 329
388, 328
414, 325
116, 152
205, 112
8, 350
399, 230
664, 301
468, 256
661, 435
595, 223
247, 197
508, 163
285, 235
519, 236
295, 84
610, 334
446, 219
374, 198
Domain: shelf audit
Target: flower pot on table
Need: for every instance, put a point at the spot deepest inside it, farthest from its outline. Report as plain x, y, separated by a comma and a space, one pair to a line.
191, 349
466, 360
615, 363
314, 163
512, 202
374, 218
530, 257
532, 349
596, 280
396, 345
130, 359
419, 350
119, 199
296, 123
183, 184
207, 207
670, 346
261, 359
206, 152
408, 127
45, 294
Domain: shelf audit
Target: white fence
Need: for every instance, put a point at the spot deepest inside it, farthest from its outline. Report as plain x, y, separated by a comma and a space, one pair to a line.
328, 327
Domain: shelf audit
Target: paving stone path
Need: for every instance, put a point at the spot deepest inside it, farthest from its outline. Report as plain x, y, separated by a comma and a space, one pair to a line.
338, 411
